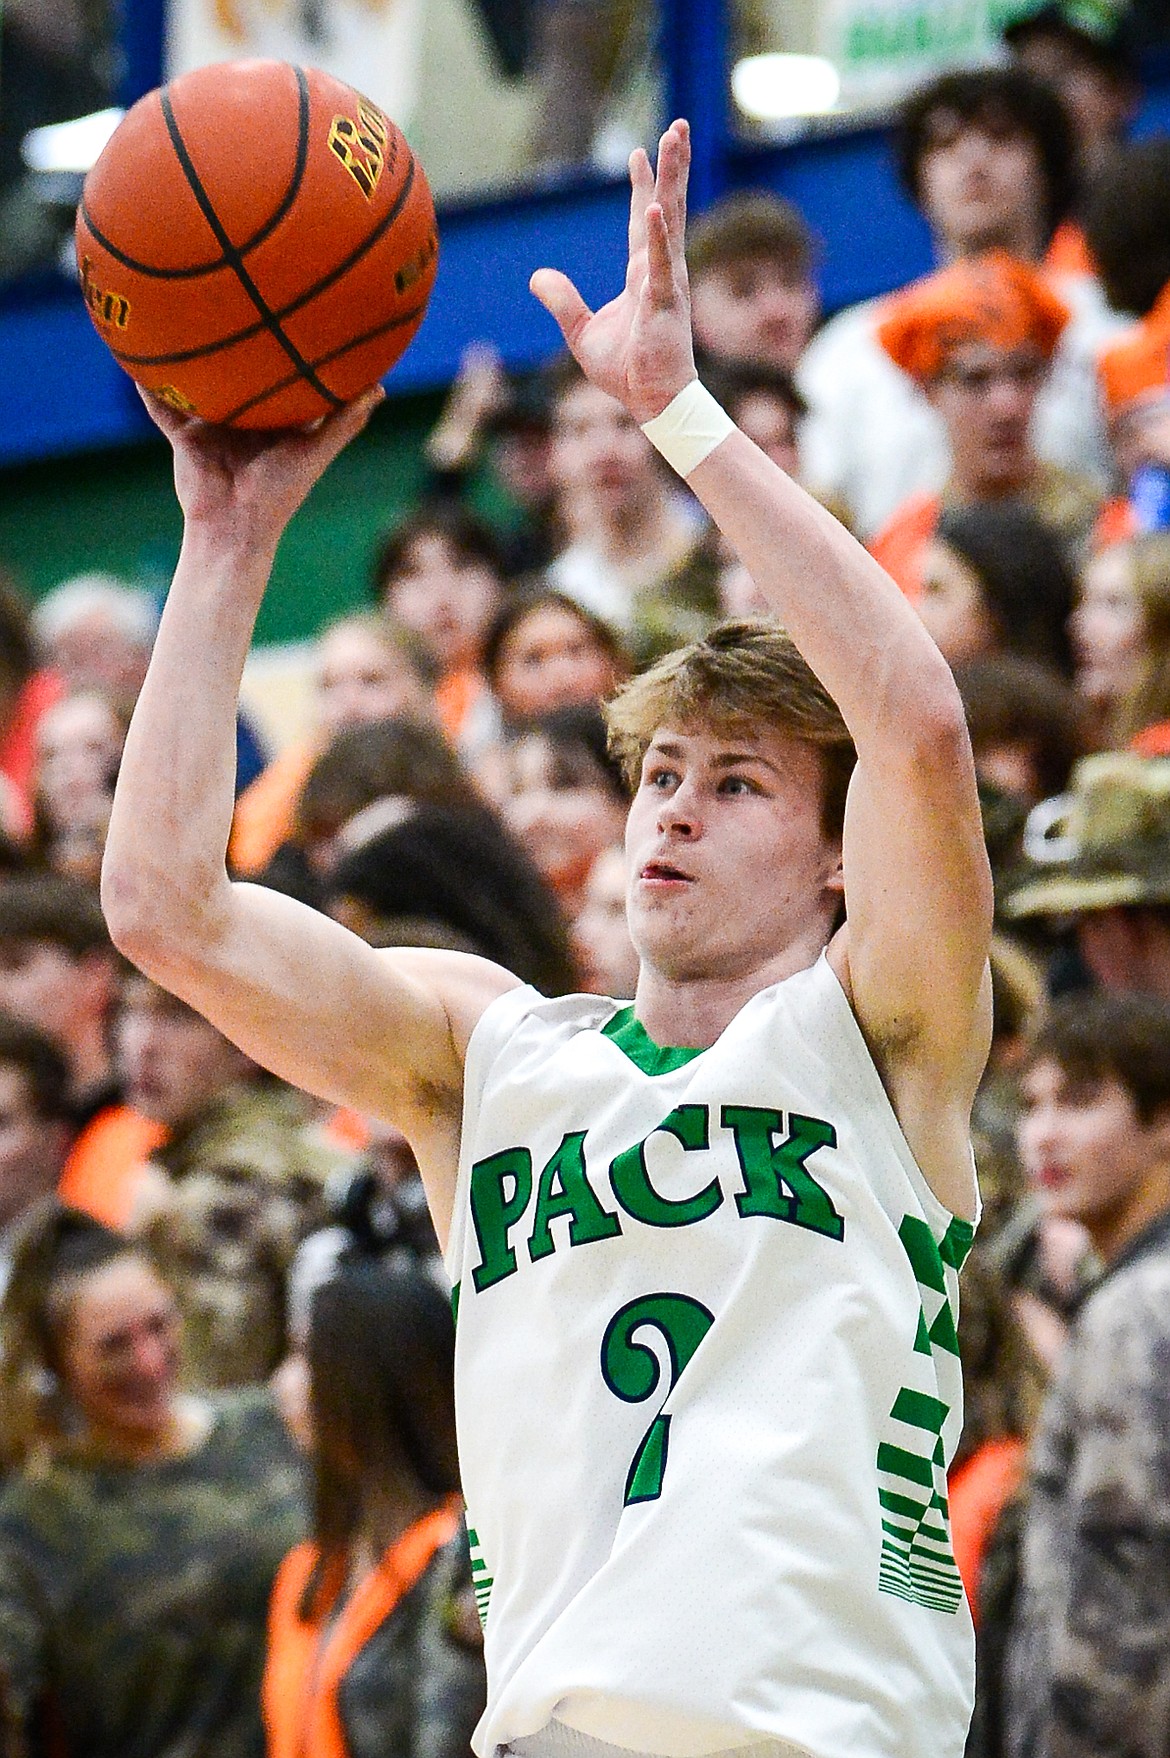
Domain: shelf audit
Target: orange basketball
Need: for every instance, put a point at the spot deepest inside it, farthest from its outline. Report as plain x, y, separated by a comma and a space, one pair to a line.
256, 243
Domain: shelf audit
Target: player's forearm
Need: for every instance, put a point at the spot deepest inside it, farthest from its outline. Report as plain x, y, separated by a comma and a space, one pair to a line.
164, 876
850, 621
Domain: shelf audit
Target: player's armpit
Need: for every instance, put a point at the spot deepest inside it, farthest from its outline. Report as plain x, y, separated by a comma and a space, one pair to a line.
919, 901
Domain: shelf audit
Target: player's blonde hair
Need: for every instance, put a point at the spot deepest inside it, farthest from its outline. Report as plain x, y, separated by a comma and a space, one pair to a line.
742, 675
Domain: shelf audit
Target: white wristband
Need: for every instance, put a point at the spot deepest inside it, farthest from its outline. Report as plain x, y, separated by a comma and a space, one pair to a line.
689, 428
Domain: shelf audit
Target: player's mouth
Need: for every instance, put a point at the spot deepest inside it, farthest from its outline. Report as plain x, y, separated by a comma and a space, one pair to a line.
660, 873
1049, 1176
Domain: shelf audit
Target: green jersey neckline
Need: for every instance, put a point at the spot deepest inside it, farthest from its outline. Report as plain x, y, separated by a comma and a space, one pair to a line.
631, 1037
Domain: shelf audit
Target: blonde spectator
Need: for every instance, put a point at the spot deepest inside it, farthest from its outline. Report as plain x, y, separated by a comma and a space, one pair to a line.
96, 632
78, 748
367, 669
1120, 632
601, 932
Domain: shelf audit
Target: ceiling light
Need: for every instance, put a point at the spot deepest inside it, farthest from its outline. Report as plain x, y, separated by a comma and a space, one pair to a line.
771, 87
69, 146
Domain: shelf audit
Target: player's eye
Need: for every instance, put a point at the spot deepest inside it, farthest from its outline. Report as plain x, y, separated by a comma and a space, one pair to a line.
661, 777
737, 784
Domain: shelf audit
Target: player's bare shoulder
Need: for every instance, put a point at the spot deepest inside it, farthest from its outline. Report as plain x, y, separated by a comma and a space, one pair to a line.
464, 983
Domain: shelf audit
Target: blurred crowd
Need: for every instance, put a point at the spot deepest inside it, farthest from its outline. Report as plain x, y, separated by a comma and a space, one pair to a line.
229, 1517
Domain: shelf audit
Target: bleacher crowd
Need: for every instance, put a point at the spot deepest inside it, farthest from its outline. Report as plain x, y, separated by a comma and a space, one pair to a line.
229, 1517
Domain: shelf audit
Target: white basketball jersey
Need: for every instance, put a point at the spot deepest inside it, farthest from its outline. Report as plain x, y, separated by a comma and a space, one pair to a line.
707, 1385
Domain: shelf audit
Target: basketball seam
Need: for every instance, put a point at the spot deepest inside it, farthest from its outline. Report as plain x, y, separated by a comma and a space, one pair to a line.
394, 323
233, 260
295, 305
251, 244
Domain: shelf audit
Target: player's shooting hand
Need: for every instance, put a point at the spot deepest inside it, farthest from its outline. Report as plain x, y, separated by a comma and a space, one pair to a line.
249, 483
638, 347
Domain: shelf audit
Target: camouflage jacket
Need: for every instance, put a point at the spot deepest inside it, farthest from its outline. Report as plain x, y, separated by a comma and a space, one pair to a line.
134, 1599
418, 1686
1088, 1662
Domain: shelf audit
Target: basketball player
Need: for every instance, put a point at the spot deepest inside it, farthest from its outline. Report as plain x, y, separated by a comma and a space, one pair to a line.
704, 1249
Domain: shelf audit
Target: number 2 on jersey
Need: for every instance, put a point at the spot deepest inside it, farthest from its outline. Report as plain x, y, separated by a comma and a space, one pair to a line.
632, 1372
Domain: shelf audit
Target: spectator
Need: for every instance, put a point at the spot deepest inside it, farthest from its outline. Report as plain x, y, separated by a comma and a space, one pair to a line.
96, 633
750, 261
1121, 637
34, 1126
765, 402
544, 651
1089, 1657
1026, 726
489, 413
456, 868
363, 770
374, 1649
228, 1196
1083, 55
60, 974
632, 536
978, 338
989, 158
368, 669
25, 693
601, 932
566, 798
138, 1630
78, 749
1101, 856
440, 575
994, 583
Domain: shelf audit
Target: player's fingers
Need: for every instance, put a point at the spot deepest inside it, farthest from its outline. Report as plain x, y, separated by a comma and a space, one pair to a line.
660, 259
334, 433
561, 299
670, 187
641, 193
168, 421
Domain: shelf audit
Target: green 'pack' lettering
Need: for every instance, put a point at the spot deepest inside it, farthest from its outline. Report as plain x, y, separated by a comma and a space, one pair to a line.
565, 1189
776, 1178
495, 1213
690, 1126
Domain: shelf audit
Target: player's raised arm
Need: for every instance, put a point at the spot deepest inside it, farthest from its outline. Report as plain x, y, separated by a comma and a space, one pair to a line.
382, 1031
917, 881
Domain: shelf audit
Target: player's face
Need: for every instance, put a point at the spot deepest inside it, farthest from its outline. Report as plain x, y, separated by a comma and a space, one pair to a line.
729, 864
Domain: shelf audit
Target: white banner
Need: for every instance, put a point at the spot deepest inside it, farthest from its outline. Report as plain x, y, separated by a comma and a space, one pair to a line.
374, 45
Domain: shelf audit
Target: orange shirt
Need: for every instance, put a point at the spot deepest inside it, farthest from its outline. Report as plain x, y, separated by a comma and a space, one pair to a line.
900, 545
1152, 741
977, 1493
265, 811
307, 1660
104, 1172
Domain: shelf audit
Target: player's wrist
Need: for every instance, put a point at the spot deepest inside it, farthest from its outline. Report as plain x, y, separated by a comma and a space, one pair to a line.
690, 427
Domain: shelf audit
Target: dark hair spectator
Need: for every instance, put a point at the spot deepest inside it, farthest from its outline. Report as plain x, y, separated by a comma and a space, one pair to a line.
1001, 100
1110, 1035
1127, 224
386, 1576
1026, 724
1025, 585
457, 866
470, 540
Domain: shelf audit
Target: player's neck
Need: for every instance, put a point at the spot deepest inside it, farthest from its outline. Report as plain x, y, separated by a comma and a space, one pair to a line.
690, 1010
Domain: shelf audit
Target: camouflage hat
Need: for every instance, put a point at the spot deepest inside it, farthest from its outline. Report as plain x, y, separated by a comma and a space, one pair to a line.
1104, 844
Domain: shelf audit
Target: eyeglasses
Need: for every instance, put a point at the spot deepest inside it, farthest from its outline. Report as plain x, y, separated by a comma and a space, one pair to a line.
977, 381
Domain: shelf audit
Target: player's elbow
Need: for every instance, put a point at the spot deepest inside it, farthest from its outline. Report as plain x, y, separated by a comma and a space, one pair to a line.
151, 920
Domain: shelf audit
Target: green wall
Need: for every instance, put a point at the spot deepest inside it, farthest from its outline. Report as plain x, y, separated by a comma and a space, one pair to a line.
116, 511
